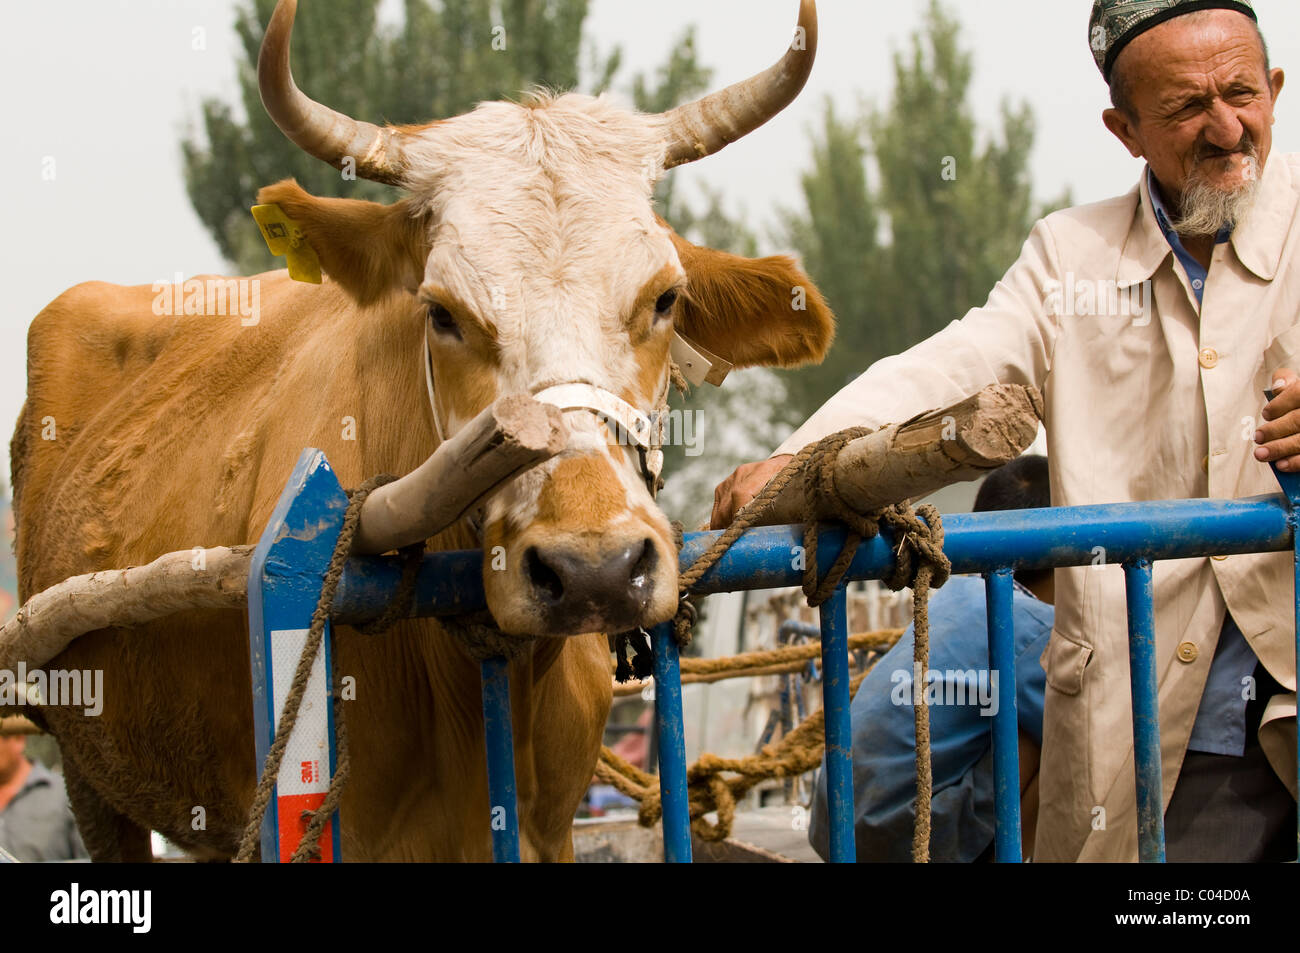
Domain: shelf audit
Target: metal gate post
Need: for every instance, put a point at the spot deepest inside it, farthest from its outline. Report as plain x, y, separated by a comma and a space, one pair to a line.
836, 699
1146, 711
670, 735
999, 592
284, 585
498, 732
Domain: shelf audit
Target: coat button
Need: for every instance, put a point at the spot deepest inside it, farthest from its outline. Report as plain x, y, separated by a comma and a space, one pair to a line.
1205, 463
1209, 357
1219, 558
1187, 652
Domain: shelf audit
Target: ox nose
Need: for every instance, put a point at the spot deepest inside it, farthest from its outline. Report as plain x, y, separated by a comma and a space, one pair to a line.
589, 590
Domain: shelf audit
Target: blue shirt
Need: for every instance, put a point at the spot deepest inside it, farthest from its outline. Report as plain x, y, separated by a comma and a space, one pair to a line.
961, 743
1220, 726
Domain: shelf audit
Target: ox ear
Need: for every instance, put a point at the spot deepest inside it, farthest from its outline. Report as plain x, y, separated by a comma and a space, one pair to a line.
370, 249
752, 311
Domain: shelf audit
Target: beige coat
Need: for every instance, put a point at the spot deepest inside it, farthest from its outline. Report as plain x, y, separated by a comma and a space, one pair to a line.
1143, 403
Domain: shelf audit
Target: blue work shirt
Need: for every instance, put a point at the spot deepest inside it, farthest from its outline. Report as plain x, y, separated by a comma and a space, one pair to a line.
961, 740
1220, 726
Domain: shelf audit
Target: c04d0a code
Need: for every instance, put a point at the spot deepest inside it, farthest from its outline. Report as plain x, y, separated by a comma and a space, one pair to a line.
1205, 893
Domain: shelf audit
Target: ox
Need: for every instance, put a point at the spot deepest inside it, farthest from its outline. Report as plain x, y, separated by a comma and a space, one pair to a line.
525, 255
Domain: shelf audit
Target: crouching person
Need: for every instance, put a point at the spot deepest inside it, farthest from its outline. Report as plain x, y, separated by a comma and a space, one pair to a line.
961, 741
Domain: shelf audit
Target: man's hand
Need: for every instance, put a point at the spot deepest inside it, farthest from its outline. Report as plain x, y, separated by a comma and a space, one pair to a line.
1279, 437
744, 484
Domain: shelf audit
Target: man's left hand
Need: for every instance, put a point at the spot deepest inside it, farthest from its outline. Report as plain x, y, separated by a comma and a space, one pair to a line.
1279, 435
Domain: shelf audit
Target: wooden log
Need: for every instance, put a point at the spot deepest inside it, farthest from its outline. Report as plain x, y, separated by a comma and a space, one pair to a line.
506, 438
512, 435
911, 460
214, 578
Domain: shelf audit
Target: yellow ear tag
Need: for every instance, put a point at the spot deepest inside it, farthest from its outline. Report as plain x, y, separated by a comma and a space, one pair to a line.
284, 237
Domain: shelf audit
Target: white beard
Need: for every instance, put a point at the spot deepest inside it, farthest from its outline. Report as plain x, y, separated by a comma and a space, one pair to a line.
1207, 210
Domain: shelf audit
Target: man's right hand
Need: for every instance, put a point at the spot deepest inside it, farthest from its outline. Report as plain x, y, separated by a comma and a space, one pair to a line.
742, 486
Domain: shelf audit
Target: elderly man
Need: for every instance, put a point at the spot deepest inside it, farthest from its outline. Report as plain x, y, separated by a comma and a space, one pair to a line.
1152, 323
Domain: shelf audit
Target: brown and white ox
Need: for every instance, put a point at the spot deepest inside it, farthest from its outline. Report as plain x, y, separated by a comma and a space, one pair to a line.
528, 254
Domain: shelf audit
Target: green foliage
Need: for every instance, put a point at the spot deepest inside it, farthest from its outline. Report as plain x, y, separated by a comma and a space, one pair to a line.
900, 257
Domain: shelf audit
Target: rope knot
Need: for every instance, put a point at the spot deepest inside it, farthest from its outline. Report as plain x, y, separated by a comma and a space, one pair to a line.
919, 562
479, 636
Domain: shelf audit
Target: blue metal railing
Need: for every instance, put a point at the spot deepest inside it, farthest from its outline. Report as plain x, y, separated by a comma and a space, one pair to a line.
1006, 743
994, 544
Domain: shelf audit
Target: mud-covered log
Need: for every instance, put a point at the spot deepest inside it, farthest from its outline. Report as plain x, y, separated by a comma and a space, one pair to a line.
512, 435
911, 460
505, 439
214, 578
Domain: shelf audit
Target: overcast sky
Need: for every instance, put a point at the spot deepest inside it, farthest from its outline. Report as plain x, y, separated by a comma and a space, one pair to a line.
104, 87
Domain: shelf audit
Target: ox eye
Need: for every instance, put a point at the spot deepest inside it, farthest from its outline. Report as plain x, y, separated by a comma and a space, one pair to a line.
442, 320
666, 302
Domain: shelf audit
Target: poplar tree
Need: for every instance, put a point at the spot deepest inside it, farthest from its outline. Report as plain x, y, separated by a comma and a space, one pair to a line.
910, 216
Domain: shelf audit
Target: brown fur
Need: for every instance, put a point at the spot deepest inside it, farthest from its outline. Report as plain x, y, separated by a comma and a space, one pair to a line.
743, 309
193, 448
176, 432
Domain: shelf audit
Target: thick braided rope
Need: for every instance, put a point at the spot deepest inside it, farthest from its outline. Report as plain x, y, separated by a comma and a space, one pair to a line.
248, 844
919, 561
399, 607
796, 753
873, 641
479, 636
308, 848
927, 542
745, 518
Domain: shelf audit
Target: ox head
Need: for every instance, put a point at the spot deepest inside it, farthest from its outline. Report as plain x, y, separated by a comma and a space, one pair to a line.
529, 251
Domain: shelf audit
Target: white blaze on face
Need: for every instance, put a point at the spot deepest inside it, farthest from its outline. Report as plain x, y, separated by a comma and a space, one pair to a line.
544, 240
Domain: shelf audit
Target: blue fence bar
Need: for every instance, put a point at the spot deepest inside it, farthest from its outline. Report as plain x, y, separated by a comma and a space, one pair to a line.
1146, 710
1132, 534
504, 813
839, 732
452, 582
1018, 539
999, 589
672, 746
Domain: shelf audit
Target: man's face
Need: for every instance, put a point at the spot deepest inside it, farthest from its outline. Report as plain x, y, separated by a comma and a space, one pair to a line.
1203, 100
12, 748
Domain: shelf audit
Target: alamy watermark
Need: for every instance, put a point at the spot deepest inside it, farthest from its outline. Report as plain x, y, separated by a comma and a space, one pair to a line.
211, 296
677, 428
1098, 297
78, 688
948, 687
76, 905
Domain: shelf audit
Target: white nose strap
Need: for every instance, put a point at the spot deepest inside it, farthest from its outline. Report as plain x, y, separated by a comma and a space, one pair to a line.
627, 422
617, 412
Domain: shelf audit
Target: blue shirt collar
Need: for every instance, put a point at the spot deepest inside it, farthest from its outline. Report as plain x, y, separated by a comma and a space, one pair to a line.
1196, 272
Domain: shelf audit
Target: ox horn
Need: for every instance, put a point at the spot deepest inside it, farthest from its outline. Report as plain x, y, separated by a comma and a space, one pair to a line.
316, 129
701, 128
